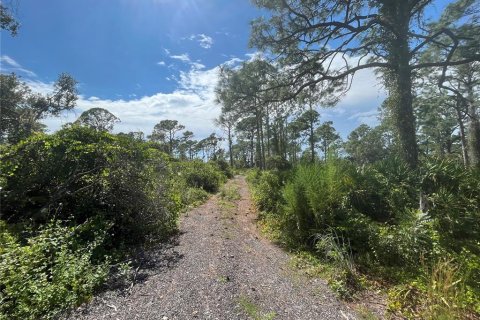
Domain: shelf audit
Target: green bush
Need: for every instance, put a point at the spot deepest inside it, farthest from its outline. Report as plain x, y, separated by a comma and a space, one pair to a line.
375, 209
319, 198
267, 192
224, 167
199, 174
78, 173
277, 163
56, 269
74, 201
253, 175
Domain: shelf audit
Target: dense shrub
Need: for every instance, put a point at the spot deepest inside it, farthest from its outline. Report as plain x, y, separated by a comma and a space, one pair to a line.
73, 203
267, 192
199, 174
224, 167
390, 219
56, 269
277, 163
79, 173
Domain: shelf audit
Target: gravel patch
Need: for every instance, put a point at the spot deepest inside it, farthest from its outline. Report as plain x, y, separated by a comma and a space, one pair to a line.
218, 267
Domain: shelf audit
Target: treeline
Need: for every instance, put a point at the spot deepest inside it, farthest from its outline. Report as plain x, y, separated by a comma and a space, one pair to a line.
77, 203
396, 204
262, 132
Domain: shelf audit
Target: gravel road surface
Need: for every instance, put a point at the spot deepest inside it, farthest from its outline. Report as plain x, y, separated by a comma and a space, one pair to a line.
218, 267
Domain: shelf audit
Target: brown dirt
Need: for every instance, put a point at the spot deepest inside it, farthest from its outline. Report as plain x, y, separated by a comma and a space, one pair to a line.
218, 267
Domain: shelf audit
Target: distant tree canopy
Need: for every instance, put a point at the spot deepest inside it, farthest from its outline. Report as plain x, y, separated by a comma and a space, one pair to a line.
98, 118
21, 109
165, 131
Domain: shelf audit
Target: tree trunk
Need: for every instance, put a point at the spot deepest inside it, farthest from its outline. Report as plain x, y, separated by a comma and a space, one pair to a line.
252, 149
262, 145
268, 133
312, 140
325, 151
399, 80
461, 128
230, 148
474, 135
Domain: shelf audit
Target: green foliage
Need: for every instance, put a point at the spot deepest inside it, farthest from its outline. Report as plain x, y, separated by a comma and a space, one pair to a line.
253, 176
230, 193
8, 21
336, 250
21, 109
369, 219
253, 311
453, 195
367, 145
277, 163
73, 202
78, 173
224, 167
199, 174
98, 119
267, 192
55, 269
440, 293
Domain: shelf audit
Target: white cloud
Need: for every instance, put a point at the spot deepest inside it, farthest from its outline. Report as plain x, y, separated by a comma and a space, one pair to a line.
161, 63
233, 61
203, 40
182, 57
192, 104
8, 64
359, 104
9, 61
185, 58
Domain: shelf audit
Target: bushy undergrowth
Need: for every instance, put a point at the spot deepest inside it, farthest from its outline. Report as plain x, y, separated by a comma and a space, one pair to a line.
79, 173
73, 203
54, 270
198, 174
369, 220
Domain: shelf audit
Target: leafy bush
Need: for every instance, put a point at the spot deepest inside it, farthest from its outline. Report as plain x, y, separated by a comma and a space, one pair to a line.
224, 167
267, 192
199, 174
78, 173
386, 231
454, 201
56, 269
73, 201
230, 193
335, 249
253, 175
277, 163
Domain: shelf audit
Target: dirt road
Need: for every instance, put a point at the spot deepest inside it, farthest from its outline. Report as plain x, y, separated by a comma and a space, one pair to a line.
219, 267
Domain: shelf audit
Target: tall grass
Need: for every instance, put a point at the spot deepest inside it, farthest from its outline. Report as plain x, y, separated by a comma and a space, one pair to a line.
444, 291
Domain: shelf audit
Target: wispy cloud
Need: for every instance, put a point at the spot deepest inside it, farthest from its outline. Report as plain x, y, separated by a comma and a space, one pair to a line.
161, 63
8, 64
185, 58
203, 40
182, 57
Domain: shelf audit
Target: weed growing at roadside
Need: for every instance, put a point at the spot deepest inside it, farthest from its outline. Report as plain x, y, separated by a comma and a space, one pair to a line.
253, 310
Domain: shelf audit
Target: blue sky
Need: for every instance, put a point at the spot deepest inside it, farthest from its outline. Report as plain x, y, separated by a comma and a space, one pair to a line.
148, 60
